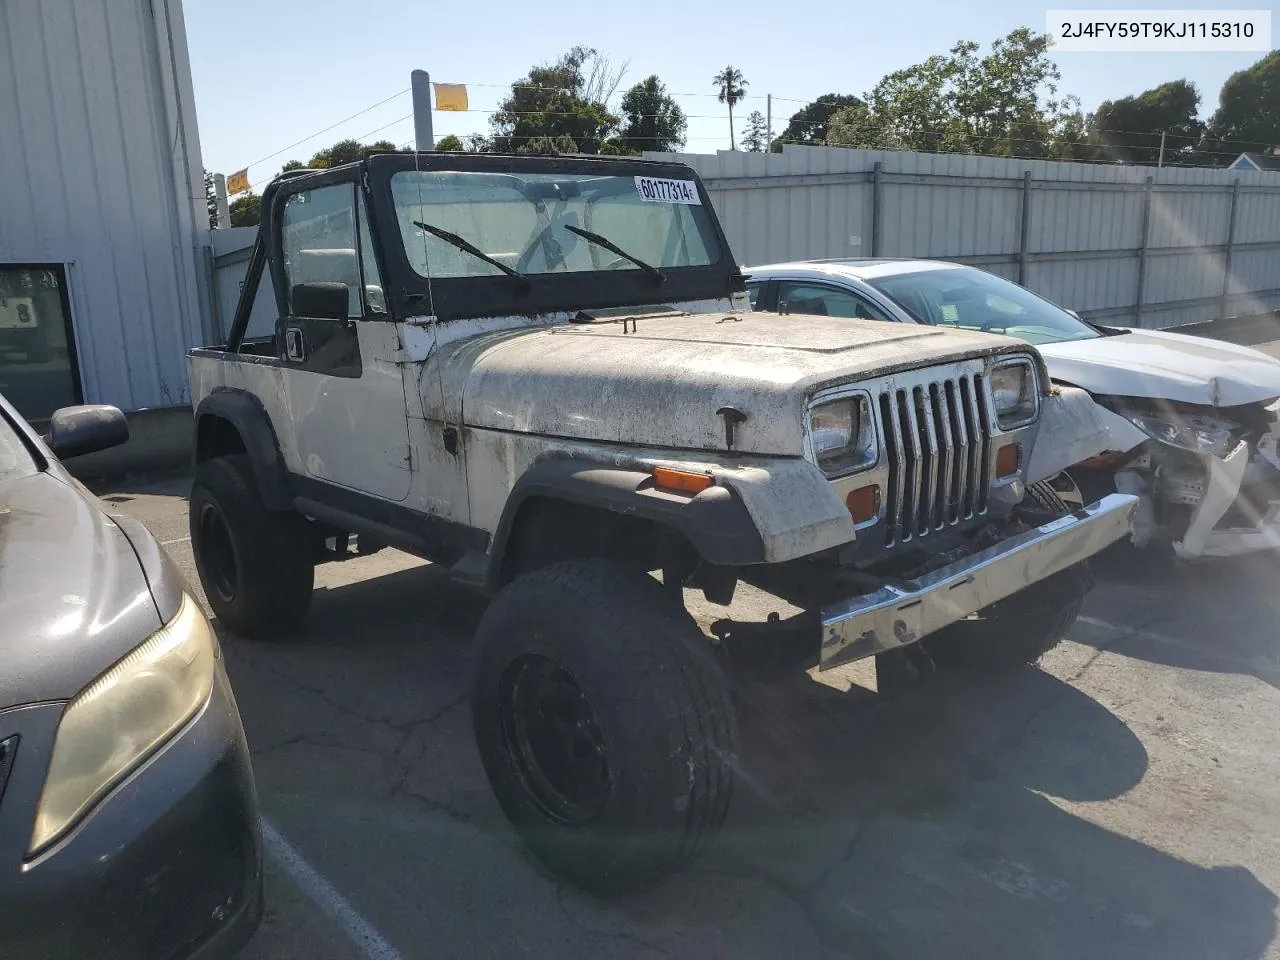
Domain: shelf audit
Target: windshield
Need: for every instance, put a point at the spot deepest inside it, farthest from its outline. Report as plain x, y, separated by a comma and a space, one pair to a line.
15, 459
524, 222
975, 300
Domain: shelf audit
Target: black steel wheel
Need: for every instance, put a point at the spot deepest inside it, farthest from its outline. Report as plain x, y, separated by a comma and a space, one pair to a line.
604, 723
255, 564
554, 740
217, 553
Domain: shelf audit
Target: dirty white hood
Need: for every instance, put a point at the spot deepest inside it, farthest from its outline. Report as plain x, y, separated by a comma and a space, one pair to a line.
1172, 366
662, 382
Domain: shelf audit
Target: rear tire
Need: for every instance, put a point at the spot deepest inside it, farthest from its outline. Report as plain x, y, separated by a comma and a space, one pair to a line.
255, 564
1024, 627
605, 726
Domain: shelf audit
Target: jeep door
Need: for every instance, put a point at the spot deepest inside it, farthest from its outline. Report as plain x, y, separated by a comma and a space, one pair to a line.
344, 390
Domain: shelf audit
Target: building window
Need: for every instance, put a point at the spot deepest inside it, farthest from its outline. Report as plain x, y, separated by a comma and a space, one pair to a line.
38, 372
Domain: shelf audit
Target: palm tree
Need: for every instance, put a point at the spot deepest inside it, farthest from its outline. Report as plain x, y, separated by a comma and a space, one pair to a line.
733, 87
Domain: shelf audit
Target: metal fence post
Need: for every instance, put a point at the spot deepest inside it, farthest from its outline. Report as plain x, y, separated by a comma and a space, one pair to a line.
1024, 233
1226, 256
1142, 252
876, 172
420, 84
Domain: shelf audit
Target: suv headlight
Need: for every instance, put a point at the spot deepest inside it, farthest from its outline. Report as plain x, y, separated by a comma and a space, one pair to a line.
1015, 393
113, 724
844, 438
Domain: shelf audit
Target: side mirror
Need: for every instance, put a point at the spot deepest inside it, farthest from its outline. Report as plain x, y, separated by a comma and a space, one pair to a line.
321, 301
77, 430
1074, 314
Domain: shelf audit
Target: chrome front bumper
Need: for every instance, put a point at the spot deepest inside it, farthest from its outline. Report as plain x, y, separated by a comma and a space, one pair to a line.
895, 616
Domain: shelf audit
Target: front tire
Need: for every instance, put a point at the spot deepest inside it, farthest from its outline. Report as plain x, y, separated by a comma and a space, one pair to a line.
255, 564
1021, 629
605, 726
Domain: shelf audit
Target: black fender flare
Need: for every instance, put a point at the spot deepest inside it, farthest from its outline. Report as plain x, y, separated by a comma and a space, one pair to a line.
715, 522
246, 413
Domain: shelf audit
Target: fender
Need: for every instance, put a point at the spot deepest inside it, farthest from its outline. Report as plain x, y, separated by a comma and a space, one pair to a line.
715, 521
246, 413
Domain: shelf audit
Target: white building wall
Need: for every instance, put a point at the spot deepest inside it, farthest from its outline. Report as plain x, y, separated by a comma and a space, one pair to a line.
100, 170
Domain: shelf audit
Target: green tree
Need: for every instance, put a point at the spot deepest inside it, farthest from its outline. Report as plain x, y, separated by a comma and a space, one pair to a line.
651, 119
548, 146
1248, 114
1004, 104
731, 87
344, 151
563, 99
450, 143
809, 123
1071, 138
245, 209
755, 138
210, 200
1129, 129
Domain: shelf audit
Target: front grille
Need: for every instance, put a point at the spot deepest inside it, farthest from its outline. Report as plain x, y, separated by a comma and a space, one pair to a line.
936, 438
7, 750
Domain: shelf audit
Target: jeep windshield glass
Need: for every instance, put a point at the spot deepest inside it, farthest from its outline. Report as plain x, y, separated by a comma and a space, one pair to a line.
523, 221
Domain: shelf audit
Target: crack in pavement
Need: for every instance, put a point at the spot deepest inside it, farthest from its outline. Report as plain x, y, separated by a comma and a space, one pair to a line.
624, 935
344, 709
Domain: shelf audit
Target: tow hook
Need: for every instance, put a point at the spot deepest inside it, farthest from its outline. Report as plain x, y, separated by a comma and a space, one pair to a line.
771, 648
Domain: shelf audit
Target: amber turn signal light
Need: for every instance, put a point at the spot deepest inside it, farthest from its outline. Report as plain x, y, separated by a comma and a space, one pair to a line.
863, 503
681, 480
1008, 459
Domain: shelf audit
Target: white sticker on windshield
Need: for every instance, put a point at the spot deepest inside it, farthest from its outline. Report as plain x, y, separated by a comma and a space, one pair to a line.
661, 190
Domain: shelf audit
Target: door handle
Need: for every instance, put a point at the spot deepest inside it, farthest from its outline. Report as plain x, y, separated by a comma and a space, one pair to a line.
294, 346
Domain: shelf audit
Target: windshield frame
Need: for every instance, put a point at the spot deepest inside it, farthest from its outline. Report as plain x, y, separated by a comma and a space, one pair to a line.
12, 422
878, 285
453, 298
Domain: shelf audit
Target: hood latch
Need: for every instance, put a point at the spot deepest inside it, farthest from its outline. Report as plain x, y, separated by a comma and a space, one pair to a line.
732, 417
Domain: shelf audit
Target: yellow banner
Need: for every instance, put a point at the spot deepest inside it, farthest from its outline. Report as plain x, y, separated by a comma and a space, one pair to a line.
238, 182
451, 96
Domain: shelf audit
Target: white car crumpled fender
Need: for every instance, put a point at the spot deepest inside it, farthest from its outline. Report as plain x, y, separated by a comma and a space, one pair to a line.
1074, 428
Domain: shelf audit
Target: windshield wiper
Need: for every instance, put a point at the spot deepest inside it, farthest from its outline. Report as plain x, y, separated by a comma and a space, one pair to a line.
467, 246
658, 275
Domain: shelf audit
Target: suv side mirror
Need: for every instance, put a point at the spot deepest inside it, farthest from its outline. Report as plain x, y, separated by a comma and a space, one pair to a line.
1073, 313
321, 301
85, 429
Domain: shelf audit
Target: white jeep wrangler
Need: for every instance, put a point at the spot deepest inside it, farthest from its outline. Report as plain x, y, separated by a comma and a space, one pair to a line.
542, 374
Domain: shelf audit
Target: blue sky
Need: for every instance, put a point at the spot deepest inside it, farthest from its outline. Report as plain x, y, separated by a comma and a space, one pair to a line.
271, 72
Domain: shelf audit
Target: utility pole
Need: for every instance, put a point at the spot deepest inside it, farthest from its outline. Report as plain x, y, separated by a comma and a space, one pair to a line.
220, 201
1160, 162
420, 85
768, 123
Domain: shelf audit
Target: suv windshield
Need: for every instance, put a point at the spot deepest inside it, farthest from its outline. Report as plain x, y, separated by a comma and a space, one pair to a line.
535, 223
976, 300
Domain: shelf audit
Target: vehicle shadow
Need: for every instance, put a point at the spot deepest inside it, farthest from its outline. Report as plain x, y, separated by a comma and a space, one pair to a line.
1213, 615
948, 825
942, 825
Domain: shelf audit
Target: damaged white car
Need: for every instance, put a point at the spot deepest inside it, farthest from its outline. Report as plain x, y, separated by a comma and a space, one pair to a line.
1191, 423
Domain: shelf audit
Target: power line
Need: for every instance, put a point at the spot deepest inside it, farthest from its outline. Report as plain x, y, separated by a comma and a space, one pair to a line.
1191, 140
358, 113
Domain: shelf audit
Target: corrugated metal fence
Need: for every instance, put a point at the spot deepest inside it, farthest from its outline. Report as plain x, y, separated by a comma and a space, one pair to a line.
1130, 245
